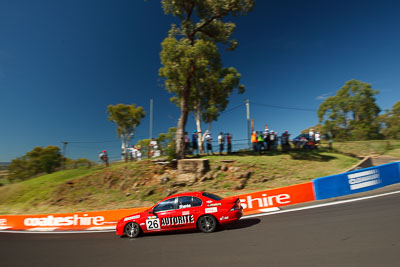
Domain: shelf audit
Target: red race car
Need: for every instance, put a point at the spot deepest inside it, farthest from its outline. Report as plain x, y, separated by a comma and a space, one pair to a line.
200, 210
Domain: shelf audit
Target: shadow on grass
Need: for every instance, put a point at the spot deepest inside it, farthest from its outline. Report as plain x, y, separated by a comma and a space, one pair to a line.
295, 154
310, 155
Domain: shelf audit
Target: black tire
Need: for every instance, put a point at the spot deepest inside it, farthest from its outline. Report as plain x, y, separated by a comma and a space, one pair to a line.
132, 230
207, 223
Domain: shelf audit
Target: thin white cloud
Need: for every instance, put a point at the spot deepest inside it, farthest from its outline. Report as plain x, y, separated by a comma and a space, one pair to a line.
323, 96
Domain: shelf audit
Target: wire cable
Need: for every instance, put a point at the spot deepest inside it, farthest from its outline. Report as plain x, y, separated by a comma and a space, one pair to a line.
282, 107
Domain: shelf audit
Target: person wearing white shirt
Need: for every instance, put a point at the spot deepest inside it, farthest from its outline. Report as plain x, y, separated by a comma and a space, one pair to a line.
221, 142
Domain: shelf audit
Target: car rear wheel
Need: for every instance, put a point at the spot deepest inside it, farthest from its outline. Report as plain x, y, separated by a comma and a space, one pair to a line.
132, 230
207, 223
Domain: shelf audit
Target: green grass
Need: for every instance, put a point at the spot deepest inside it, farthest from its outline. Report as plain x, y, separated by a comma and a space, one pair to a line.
277, 170
3, 177
394, 153
24, 195
365, 148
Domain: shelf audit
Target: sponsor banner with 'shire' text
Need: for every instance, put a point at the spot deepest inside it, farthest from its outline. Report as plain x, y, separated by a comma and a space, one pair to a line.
252, 203
263, 201
66, 221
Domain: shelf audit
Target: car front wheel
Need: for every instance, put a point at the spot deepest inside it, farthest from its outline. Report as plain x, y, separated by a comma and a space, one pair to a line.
132, 230
207, 223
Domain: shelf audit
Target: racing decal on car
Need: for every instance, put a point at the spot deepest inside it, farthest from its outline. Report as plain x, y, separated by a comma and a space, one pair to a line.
211, 210
214, 205
177, 220
209, 201
185, 212
185, 206
153, 223
224, 218
131, 218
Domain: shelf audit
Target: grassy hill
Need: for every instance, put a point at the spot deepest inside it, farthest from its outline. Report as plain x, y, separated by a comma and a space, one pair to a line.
367, 148
4, 172
135, 184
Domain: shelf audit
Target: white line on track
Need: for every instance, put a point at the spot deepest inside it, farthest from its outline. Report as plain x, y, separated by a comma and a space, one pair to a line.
321, 205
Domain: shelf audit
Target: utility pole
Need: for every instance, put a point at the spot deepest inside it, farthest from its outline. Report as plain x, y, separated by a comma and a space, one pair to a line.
248, 120
64, 153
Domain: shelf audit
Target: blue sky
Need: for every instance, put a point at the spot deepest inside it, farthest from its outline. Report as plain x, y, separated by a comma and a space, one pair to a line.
63, 62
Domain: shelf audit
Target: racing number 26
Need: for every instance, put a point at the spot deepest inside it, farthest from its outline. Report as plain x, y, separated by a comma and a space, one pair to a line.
153, 224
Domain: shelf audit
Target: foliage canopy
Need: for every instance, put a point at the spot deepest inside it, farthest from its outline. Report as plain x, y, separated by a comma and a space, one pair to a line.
191, 61
38, 160
391, 122
352, 113
127, 118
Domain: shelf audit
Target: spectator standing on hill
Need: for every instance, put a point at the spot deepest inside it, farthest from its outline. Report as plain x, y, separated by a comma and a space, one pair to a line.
221, 142
186, 139
317, 137
265, 136
254, 141
138, 152
268, 140
260, 142
285, 141
276, 141
132, 153
311, 135
229, 142
272, 140
103, 156
195, 143
153, 147
209, 143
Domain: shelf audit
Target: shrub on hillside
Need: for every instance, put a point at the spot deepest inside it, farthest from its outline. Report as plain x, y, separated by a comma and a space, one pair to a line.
38, 160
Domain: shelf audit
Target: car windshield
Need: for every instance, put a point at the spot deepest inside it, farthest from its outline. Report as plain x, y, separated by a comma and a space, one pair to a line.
165, 205
212, 196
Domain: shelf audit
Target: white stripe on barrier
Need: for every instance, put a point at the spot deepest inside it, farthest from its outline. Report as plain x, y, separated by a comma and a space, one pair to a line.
42, 229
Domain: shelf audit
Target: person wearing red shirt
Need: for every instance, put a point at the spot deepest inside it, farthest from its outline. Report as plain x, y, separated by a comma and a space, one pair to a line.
229, 142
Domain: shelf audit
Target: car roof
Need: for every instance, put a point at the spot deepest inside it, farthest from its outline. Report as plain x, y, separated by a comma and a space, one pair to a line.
197, 193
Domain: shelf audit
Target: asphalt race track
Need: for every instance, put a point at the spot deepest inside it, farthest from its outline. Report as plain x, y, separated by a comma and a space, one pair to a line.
362, 233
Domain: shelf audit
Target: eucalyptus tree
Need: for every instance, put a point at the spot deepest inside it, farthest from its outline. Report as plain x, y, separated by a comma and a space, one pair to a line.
352, 113
38, 160
191, 61
127, 118
391, 122
212, 99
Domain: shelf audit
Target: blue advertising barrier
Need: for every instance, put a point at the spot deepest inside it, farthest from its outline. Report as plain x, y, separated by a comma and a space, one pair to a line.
357, 181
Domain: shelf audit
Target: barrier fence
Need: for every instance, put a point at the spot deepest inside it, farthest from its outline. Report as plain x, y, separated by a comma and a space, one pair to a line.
256, 202
357, 181
97, 220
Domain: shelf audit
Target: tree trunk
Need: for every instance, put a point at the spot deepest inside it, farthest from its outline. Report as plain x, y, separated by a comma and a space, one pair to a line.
125, 145
200, 140
180, 131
